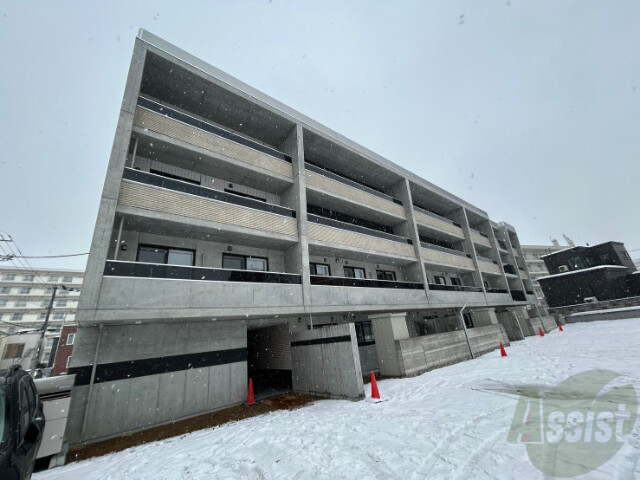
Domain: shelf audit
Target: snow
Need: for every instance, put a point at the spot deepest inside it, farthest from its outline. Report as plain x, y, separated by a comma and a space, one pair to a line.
583, 270
447, 423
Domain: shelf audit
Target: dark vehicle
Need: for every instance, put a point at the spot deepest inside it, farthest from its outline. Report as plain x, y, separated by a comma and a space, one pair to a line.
21, 424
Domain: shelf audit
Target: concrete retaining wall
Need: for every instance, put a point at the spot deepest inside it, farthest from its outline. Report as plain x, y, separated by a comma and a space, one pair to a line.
420, 354
511, 326
548, 323
326, 361
125, 399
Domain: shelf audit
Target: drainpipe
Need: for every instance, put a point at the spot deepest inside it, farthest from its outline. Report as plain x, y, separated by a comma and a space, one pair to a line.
91, 381
466, 335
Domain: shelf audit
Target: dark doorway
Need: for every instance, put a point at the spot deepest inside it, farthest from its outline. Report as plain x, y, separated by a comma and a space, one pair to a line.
269, 360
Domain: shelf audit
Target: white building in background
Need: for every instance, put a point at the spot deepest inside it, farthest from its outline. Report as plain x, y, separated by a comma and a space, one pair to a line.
24, 298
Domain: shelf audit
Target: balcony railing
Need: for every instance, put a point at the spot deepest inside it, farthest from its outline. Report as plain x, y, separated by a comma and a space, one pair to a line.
356, 228
207, 127
347, 181
117, 268
479, 232
502, 245
486, 259
453, 288
497, 290
362, 282
444, 249
518, 295
192, 189
429, 213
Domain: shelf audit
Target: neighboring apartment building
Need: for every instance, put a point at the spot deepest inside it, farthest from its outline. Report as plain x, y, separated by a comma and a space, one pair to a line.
64, 350
535, 264
582, 275
238, 238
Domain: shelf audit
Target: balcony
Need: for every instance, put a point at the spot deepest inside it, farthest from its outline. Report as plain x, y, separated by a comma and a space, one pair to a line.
508, 269
328, 231
453, 288
329, 293
518, 296
438, 223
502, 245
359, 196
149, 192
488, 265
155, 291
152, 116
480, 238
498, 296
435, 254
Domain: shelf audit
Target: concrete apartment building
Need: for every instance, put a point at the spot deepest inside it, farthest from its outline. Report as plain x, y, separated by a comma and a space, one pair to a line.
238, 238
24, 298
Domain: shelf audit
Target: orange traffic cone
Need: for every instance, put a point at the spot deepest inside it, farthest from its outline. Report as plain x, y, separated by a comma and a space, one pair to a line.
374, 387
250, 398
503, 353
541, 333
560, 327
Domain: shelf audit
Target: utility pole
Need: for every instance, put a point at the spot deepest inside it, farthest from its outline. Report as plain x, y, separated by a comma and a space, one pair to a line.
36, 360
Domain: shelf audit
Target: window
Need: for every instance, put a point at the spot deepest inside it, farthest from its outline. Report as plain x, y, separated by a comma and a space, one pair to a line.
354, 272
626, 255
364, 333
67, 279
456, 281
62, 293
42, 316
166, 255
9, 276
320, 269
53, 278
242, 262
16, 317
71, 338
5, 290
3, 303
439, 280
68, 361
61, 303
58, 316
20, 303
25, 291
386, 275
13, 350
27, 405
467, 320
28, 278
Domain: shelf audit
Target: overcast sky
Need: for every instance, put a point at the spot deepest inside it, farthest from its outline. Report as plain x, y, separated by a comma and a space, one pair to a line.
529, 110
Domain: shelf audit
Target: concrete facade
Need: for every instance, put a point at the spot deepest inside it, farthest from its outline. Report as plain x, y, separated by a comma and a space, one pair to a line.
228, 219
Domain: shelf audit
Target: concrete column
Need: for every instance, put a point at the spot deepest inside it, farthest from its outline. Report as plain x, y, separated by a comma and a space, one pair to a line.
410, 230
511, 325
494, 245
107, 209
470, 248
387, 329
297, 257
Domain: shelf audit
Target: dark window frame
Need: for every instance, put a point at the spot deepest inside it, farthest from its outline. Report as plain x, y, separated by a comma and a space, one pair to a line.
440, 279
386, 273
456, 281
313, 268
166, 254
364, 333
174, 177
353, 269
244, 261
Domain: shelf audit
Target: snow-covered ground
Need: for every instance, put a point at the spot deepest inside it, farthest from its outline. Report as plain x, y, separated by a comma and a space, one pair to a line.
448, 423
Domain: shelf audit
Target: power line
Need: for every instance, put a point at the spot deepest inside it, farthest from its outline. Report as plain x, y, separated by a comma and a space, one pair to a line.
47, 256
22, 264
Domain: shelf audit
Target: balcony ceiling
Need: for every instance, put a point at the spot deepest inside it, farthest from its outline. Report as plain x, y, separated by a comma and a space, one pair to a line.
342, 160
169, 82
